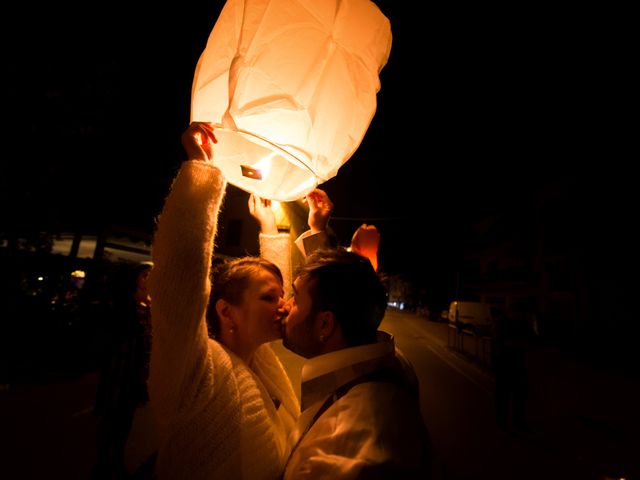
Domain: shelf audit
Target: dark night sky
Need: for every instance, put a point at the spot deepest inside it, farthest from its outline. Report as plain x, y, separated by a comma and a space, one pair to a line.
478, 109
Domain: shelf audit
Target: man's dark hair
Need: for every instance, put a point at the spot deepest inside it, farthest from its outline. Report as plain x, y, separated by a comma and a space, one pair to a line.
346, 284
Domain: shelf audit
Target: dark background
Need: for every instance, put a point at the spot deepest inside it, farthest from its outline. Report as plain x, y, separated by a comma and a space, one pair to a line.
480, 108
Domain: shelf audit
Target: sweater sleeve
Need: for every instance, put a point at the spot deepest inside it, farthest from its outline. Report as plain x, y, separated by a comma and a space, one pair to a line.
179, 285
277, 249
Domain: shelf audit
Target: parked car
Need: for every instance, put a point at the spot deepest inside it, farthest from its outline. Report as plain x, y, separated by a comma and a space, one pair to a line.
474, 316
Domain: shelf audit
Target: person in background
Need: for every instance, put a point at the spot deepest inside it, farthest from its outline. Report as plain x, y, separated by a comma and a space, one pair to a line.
512, 335
122, 387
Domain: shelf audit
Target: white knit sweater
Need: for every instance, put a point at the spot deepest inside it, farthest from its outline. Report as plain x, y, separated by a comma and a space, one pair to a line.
215, 415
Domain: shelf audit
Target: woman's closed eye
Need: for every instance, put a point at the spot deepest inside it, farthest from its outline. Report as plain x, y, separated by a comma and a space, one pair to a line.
270, 297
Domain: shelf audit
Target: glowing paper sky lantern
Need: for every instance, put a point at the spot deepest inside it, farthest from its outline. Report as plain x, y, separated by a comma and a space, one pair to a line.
291, 87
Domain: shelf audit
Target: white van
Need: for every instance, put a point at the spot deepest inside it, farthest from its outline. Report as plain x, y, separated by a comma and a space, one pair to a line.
474, 316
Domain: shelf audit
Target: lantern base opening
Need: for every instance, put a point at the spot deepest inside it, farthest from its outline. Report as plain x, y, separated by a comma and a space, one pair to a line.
260, 167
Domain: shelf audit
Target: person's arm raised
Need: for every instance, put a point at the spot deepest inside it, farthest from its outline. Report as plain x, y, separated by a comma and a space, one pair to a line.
320, 209
179, 283
274, 246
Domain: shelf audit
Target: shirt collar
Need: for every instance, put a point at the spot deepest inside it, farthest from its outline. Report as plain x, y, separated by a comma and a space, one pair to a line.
323, 374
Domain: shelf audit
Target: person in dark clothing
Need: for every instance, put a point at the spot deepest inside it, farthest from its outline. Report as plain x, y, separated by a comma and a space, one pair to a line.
511, 338
123, 381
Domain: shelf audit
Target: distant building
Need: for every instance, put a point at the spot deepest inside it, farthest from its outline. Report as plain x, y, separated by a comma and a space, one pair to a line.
555, 257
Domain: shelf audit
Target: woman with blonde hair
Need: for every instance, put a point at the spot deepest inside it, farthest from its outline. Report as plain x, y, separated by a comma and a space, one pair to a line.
223, 403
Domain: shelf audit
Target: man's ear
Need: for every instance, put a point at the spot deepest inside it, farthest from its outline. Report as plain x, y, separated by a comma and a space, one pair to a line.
326, 323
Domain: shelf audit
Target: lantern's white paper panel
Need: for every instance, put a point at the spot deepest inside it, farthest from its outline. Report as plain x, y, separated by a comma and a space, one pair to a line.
291, 88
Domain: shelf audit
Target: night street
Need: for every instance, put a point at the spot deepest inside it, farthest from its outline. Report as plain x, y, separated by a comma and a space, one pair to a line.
579, 429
